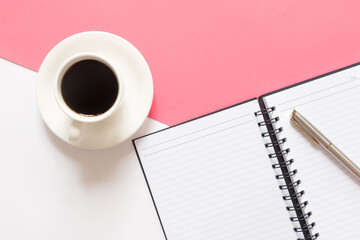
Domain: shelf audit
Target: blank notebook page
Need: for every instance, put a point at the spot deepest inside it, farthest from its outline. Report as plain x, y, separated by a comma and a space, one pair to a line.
211, 178
331, 103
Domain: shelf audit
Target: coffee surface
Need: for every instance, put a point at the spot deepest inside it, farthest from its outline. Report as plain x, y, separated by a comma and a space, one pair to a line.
89, 87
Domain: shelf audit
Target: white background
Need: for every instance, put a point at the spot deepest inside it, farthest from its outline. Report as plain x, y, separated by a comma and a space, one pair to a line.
51, 190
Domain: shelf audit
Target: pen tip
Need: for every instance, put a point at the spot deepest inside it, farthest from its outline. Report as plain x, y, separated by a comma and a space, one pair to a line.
293, 113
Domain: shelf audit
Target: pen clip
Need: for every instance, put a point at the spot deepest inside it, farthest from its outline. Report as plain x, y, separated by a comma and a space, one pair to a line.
301, 129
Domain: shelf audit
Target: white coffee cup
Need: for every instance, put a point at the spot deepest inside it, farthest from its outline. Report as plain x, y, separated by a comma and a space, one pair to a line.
122, 118
79, 120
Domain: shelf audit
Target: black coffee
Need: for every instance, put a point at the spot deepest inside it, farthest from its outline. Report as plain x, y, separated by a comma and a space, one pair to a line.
89, 87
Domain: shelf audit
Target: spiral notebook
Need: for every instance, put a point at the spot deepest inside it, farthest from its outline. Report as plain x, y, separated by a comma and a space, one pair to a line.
244, 172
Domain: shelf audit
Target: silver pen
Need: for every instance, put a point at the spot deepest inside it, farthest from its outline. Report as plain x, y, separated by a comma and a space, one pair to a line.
317, 137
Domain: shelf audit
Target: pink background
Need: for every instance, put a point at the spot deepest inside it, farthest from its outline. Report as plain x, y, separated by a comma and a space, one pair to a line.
204, 55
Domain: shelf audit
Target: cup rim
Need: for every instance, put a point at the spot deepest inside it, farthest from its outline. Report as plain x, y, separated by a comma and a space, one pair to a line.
59, 77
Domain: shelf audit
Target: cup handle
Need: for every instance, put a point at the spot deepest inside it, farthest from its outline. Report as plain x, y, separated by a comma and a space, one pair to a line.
76, 130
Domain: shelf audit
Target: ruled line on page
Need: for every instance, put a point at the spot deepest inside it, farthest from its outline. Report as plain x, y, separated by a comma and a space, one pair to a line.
319, 91
198, 201
219, 166
234, 206
196, 190
204, 182
197, 145
323, 97
309, 105
187, 160
196, 131
198, 138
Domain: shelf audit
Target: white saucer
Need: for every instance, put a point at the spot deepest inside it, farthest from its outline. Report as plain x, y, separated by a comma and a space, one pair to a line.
137, 98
